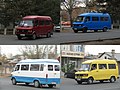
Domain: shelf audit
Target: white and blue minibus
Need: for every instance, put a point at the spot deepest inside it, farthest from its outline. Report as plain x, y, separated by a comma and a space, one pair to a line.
92, 21
37, 71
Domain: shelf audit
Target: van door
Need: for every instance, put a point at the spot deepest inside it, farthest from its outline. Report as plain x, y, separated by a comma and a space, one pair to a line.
95, 24
88, 22
94, 71
41, 27
103, 71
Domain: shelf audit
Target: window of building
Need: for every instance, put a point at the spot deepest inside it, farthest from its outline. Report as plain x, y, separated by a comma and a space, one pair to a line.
102, 66
112, 66
34, 67
50, 67
24, 67
57, 68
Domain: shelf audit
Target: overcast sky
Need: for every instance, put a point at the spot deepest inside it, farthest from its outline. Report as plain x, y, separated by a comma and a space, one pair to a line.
95, 49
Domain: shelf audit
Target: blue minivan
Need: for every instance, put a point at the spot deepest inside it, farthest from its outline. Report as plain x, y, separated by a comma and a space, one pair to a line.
92, 21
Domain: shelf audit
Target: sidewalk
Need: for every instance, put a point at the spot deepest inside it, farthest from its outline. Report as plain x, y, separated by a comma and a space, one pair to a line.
5, 75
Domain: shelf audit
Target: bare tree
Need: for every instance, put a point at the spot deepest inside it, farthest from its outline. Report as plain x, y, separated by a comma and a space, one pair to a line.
36, 51
69, 5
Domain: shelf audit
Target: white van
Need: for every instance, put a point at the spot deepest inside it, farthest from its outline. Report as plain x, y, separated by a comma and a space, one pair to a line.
37, 71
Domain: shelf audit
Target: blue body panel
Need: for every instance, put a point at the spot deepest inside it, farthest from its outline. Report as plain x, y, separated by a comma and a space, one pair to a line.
41, 80
93, 25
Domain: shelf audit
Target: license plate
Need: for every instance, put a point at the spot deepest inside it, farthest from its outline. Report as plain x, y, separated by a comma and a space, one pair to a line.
78, 79
53, 82
75, 28
22, 34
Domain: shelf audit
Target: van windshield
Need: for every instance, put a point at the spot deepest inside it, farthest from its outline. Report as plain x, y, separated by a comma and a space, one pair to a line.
85, 67
80, 19
26, 23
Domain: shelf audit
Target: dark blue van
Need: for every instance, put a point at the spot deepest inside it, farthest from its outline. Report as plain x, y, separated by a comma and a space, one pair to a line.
92, 21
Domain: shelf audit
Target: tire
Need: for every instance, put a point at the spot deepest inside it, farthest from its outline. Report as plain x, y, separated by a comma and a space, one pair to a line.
48, 35
14, 81
79, 82
104, 29
26, 83
50, 85
34, 36
36, 84
112, 79
90, 80
19, 37
101, 81
84, 30
75, 31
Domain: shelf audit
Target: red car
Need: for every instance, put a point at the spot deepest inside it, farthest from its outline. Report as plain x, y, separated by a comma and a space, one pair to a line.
35, 26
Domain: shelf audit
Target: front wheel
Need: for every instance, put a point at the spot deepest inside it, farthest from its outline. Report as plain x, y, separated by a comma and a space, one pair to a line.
90, 81
19, 37
84, 30
34, 36
79, 82
75, 31
14, 81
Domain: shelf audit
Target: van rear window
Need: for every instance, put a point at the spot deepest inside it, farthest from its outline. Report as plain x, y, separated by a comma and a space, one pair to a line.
112, 66
103, 18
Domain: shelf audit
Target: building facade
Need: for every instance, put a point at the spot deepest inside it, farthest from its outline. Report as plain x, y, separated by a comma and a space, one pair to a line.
72, 56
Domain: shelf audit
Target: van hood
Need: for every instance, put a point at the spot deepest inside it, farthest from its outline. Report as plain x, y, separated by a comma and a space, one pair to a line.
29, 27
78, 22
82, 72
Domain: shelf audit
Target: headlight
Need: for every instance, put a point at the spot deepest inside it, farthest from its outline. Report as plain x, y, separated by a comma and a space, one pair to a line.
30, 30
85, 74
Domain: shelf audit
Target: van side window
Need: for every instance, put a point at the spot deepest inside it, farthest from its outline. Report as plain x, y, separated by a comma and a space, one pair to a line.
57, 68
103, 18
95, 19
94, 66
87, 19
36, 23
47, 22
112, 66
41, 22
34, 67
17, 68
102, 66
50, 67
24, 67
41, 67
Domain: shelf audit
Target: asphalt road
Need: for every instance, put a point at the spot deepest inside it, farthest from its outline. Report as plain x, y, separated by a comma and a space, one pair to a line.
61, 38
5, 84
71, 84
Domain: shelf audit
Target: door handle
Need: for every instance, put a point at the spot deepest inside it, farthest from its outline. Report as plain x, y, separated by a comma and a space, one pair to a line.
96, 71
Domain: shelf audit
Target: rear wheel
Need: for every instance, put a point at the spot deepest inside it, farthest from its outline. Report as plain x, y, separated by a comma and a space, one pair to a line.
14, 81
104, 29
112, 79
48, 34
50, 85
90, 80
36, 84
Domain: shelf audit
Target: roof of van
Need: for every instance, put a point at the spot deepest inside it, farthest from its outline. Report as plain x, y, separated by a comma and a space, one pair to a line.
100, 61
32, 17
94, 14
39, 61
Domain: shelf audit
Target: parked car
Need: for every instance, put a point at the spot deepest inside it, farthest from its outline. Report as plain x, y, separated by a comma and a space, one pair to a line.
57, 28
70, 74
